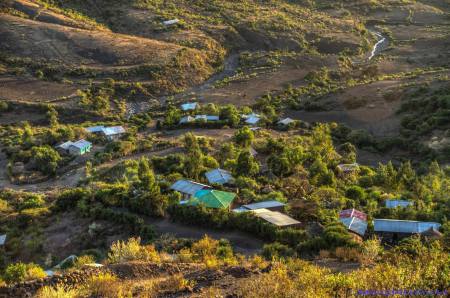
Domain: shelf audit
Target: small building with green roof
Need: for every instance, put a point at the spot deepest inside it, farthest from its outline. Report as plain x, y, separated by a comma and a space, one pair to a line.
212, 198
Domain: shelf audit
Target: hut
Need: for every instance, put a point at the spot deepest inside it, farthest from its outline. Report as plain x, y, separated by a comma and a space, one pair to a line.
219, 176
188, 188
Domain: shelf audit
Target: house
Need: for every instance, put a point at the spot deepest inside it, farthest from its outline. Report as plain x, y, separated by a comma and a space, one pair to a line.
186, 119
276, 218
348, 213
355, 225
170, 22
219, 176
2, 240
111, 132
252, 120
396, 229
190, 106
268, 205
207, 118
286, 122
211, 198
79, 147
398, 203
188, 188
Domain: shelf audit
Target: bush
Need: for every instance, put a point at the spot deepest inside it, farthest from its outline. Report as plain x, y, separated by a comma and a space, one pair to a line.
58, 292
19, 272
277, 250
132, 250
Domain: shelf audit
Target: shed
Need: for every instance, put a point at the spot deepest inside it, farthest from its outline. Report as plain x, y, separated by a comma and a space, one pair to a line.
276, 218
403, 226
2, 240
113, 132
219, 176
212, 198
348, 168
252, 120
186, 119
95, 129
353, 213
190, 106
268, 205
188, 188
398, 203
286, 121
170, 22
80, 147
355, 224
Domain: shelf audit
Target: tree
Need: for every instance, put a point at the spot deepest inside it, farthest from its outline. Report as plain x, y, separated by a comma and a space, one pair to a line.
20, 272
45, 159
52, 115
231, 114
279, 165
193, 163
246, 165
173, 116
244, 137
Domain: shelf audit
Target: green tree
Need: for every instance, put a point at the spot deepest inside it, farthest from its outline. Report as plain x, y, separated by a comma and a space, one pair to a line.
52, 115
230, 114
244, 137
45, 159
246, 165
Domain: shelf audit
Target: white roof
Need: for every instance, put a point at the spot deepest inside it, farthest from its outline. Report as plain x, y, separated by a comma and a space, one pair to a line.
219, 176
186, 119
2, 239
276, 218
65, 145
286, 121
207, 117
94, 129
263, 205
403, 226
188, 187
398, 203
189, 106
81, 144
246, 116
171, 22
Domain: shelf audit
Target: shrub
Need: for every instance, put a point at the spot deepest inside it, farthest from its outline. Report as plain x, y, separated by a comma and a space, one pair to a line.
58, 292
277, 250
46, 159
19, 272
132, 250
103, 285
83, 260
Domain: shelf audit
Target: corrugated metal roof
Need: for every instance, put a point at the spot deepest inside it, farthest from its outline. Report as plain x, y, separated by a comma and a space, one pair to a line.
94, 129
189, 106
348, 167
212, 198
186, 119
65, 145
219, 176
355, 224
403, 226
80, 144
286, 121
114, 130
2, 239
276, 218
188, 187
398, 203
246, 116
352, 213
252, 120
263, 205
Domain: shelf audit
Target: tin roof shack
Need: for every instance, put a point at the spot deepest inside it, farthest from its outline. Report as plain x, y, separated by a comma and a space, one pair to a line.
392, 230
188, 188
186, 119
286, 123
190, 106
111, 132
276, 218
398, 203
355, 225
79, 147
219, 176
353, 213
268, 205
211, 198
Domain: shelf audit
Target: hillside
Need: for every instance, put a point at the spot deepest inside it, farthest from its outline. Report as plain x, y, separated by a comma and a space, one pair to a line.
216, 148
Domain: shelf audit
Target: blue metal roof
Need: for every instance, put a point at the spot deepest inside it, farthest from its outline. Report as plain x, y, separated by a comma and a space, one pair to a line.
403, 226
398, 203
113, 130
189, 106
355, 224
219, 176
81, 144
94, 129
188, 187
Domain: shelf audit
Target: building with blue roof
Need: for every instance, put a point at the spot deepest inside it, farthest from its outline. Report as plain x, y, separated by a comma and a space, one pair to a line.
110, 132
79, 147
398, 203
188, 188
190, 106
355, 225
219, 176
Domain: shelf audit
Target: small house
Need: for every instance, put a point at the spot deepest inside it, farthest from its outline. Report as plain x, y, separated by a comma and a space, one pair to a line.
396, 229
398, 203
355, 225
206, 118
188, 188
276, 218
211, 198
268, 205
79, 147
286, 122
190, 106
111, 132
171, 22
219, 176
348, 213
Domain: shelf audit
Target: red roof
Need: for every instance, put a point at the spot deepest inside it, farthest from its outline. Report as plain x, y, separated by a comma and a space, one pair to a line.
352, 213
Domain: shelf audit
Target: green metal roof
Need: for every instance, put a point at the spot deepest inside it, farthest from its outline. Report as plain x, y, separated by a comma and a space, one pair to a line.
212, 198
